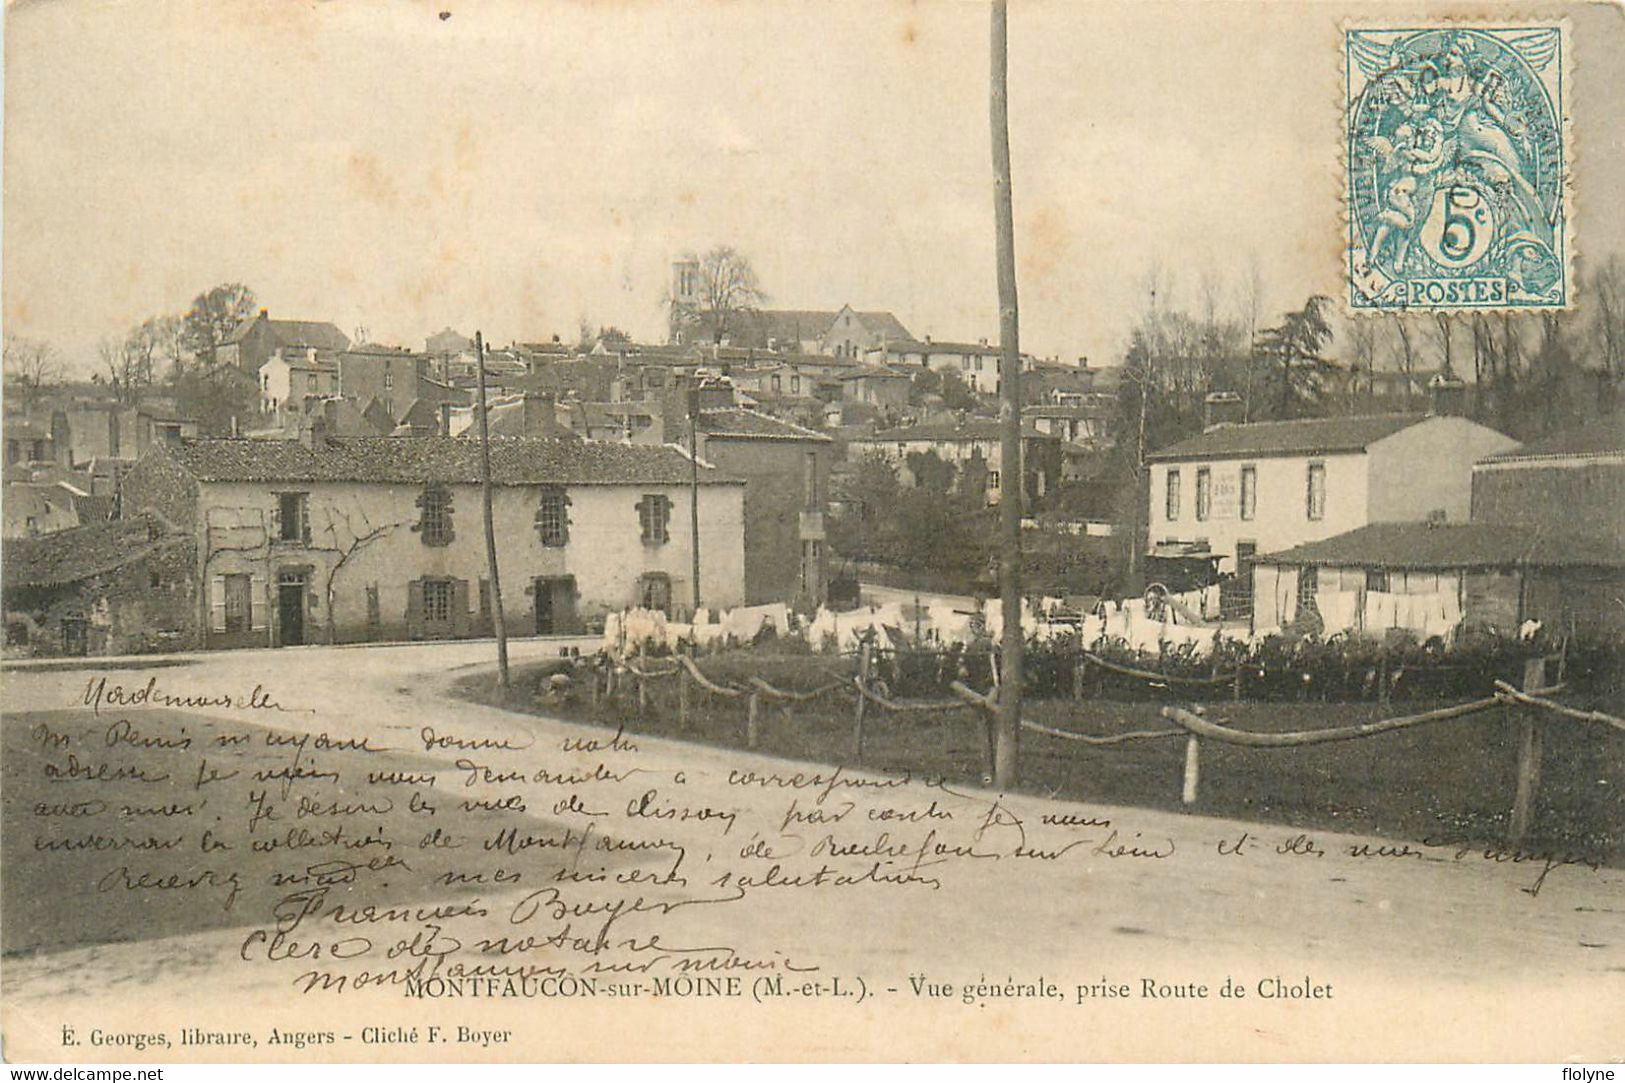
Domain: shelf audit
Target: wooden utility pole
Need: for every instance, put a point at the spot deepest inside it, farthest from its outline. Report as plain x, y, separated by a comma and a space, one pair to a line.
1012, 482
497, 623
694, 489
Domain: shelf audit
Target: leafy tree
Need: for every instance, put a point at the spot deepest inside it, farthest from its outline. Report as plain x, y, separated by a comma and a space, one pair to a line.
862, 506
947, 385
931, 472
213, 316
1301, 372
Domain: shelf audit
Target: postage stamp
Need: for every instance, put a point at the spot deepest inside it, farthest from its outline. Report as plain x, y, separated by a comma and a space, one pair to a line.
1457, 167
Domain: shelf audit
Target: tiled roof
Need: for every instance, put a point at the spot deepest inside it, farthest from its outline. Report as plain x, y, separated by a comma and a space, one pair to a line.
735, 421
422, 459
94, 509
1604, 436
884, 324
882, 372
1067, 412
975, 429
68, 556
1302, 437
295, 333
907, 345
1457, 545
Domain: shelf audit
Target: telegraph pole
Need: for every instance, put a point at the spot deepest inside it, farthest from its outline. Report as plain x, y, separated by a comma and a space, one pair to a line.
497, 623
1012, 482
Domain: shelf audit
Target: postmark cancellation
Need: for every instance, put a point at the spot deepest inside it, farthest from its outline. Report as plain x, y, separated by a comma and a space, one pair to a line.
1458, 167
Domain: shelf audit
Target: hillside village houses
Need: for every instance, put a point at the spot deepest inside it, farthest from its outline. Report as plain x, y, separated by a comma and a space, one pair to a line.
968, 445
339, 540
259, 338
308, 527
977, 364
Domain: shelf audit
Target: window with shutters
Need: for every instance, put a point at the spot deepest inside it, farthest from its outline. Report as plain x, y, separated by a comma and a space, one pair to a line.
1171, 496
654, 592
437, 601
1249, 491
292, 518
553, 517
239, 602
654, 518
1204, 493
434, 516
1315, 498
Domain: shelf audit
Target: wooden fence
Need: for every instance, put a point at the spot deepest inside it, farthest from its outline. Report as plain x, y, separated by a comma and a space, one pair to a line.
1531, 704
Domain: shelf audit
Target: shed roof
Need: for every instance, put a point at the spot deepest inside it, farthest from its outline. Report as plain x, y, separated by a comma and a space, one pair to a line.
423, 459
1456, 545
69, 556
1304, 436
1603, 436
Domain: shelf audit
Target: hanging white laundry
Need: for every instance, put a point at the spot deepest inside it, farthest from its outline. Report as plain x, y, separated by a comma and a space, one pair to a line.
1379, 613
1339, 609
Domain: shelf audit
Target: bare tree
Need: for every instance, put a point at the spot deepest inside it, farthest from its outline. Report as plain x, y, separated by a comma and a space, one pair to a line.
728, 290
1608, 316
1362, 336
1406, 342
1248, 304
32, 365
1444, 324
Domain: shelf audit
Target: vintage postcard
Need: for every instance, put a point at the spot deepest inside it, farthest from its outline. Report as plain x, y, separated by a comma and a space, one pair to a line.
945, 531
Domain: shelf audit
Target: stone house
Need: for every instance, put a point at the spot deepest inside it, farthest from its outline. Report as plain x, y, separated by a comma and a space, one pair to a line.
373, 538
118, 587
970, 444
256, 340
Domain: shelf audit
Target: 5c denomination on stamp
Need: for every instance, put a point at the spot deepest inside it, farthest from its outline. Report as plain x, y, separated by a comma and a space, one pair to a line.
1458, 167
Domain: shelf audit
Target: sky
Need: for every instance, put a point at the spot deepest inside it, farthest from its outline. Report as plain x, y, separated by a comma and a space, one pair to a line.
517, 167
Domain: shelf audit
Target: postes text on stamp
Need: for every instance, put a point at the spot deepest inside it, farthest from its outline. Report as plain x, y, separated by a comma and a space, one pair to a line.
1457, 167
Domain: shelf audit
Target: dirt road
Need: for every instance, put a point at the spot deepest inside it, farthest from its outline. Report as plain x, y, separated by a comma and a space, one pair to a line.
952, 924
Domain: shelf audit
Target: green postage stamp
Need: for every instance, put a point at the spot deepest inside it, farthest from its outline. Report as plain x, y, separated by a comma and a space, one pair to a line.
1458, 167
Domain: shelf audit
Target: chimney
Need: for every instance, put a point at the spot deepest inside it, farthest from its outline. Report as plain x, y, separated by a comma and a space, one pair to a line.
1447, 396
313, 431
1221, 408
445, 419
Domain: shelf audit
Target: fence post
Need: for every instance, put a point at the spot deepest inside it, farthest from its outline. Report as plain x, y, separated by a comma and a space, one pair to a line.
753, 733
990, 721
864, 658
593, 675
1235, 692
1529, 753
643, 690
1077, 681
682, 698
1193, 770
